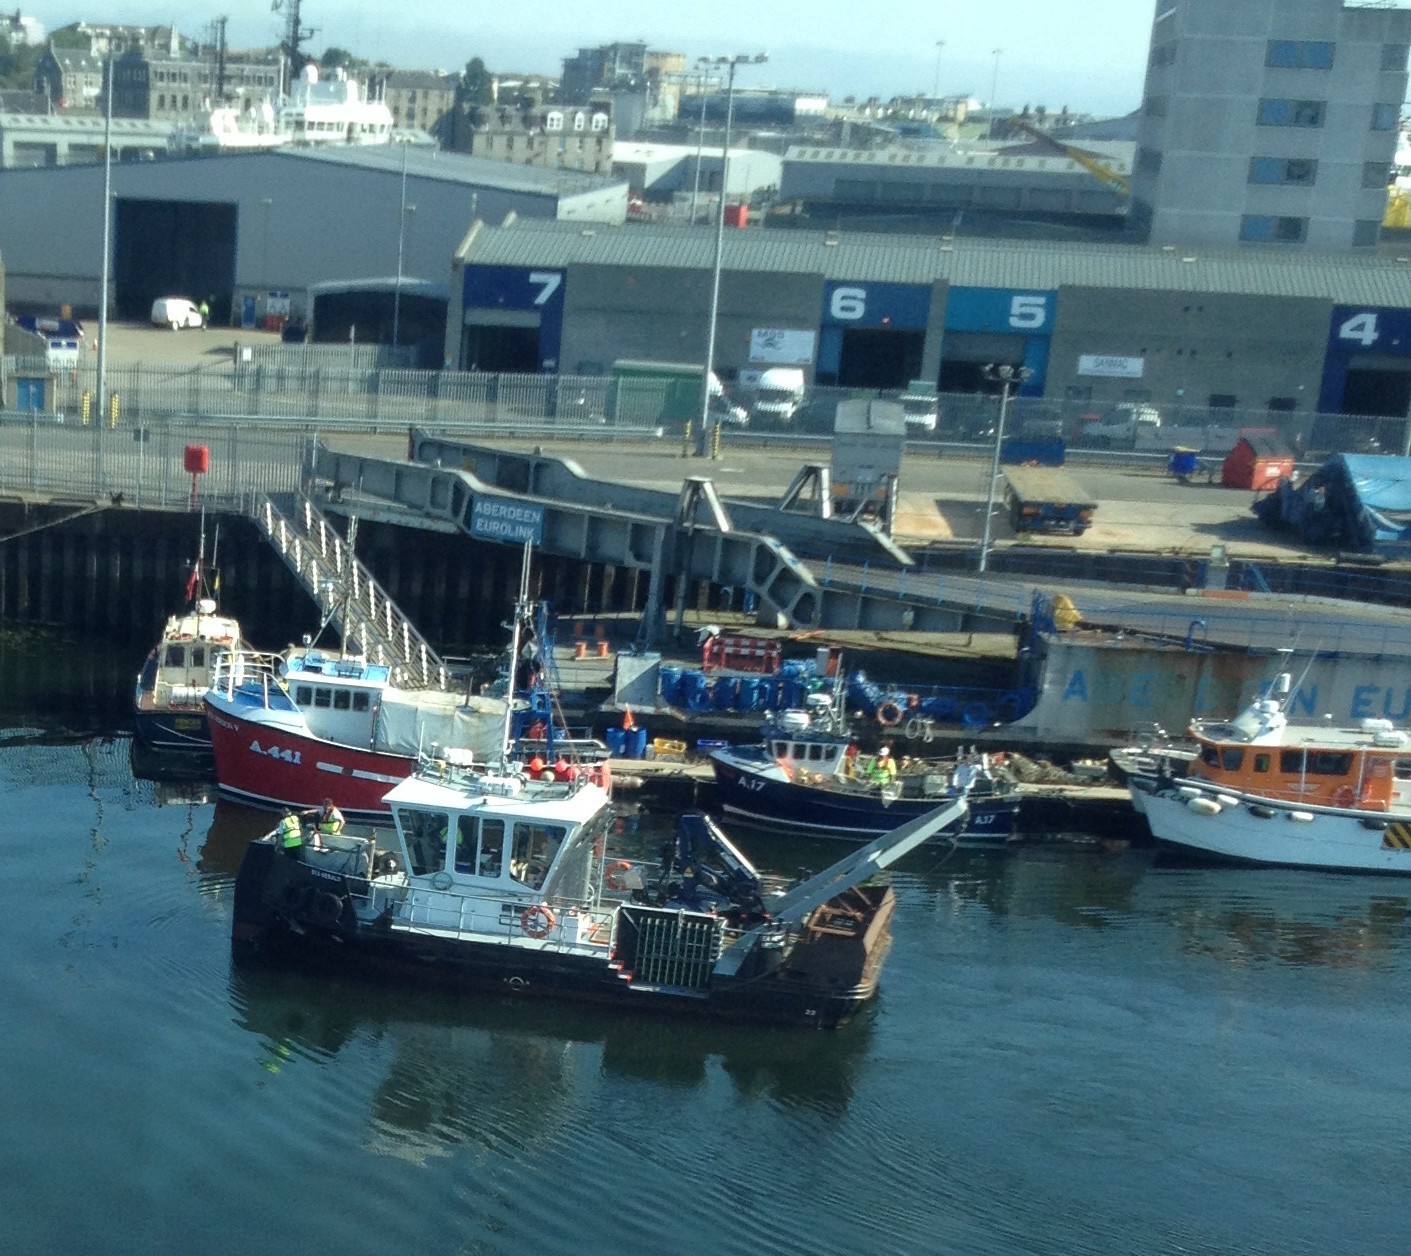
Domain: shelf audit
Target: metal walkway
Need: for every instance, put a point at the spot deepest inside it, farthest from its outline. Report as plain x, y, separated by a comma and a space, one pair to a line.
346, 594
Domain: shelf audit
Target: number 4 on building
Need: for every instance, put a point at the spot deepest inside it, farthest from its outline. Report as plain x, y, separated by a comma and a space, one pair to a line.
1361, 328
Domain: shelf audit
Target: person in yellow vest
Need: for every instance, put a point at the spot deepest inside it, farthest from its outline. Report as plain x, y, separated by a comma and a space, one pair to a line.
884, 768
327, 819
291, 835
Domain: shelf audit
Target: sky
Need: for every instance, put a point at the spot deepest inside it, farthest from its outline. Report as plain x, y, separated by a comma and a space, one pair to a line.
1087, 54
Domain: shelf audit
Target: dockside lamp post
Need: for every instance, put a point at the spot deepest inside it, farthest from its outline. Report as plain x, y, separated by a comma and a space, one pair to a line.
1007, 377
729, 65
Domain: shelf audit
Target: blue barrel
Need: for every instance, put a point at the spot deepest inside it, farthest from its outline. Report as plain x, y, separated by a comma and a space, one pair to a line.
670, 684
615, 738
635, 744
766, 693
1183, 462
747, 699
726, 688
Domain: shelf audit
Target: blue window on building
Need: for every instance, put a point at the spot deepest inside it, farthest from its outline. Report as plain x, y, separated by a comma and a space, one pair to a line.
1300, 54
1274, 112
1385, 117
1273, 229
1298, 171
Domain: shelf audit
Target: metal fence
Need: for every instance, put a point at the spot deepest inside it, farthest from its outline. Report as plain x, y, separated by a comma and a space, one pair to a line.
146, 463
354, 385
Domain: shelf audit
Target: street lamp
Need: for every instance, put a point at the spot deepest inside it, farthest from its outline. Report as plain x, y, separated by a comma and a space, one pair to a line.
994, 88
1007, 377
102, 381
402, 211
700, 144
729, 64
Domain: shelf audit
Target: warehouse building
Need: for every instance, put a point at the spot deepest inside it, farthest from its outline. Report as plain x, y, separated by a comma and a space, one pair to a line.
255, 231
1091, 322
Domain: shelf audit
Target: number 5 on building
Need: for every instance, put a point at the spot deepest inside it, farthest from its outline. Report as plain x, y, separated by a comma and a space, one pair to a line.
1028, 313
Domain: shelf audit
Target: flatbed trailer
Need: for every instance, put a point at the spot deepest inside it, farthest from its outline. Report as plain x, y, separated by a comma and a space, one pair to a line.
1047, 499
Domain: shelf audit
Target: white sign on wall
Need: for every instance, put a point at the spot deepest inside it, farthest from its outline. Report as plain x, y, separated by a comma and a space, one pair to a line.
1110, 367
780, 346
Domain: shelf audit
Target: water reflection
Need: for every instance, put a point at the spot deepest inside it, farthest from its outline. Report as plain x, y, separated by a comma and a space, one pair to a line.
490, 1072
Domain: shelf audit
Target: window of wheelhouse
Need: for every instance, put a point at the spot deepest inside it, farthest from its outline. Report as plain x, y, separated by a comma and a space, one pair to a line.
781, 749
480, 846
535, 846
1315, 763
198, 656
830, 753
425, 835
815, 753
176, 656
580, 863
1231, 758
1261, 762
1210, 756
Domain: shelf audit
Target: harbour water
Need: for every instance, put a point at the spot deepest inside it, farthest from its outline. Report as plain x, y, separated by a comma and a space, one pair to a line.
1076, 1050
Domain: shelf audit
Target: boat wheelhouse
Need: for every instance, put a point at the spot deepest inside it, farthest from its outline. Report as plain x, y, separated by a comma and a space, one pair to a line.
169, 698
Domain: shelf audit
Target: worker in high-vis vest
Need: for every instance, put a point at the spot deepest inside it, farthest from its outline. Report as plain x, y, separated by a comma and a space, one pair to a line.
291, 835
330, 819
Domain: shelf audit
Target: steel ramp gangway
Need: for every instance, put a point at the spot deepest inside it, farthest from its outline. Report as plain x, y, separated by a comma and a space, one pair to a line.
346, 593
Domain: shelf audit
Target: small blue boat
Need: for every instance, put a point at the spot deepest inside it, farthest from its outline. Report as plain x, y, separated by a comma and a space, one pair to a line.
807, 776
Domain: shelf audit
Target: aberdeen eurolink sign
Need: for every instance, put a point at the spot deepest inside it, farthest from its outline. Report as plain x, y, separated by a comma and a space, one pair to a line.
512, 522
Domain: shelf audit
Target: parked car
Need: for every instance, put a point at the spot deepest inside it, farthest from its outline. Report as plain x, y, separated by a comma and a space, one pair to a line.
176, 313
1119, 428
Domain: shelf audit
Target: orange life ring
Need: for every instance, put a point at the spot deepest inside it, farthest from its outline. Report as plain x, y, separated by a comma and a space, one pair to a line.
614, 877
889, 713
1344, 796
537, 921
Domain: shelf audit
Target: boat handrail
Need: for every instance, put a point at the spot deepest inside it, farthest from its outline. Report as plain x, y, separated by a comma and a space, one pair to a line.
235, 669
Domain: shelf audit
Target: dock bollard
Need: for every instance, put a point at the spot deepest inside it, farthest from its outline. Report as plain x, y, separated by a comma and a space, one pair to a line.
686, 440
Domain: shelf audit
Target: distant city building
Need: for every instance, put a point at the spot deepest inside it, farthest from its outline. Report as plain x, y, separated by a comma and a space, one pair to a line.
70, 79
421, 100
611, 66
550, 137
763, 107
161, 85
16, 30
1270, 123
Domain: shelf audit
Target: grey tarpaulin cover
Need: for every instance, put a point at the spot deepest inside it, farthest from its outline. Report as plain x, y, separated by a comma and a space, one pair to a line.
408, 722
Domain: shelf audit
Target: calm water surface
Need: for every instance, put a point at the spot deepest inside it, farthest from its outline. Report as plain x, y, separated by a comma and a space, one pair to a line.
1075, 1051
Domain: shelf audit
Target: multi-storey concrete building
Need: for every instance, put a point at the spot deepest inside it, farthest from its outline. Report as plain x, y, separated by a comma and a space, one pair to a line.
1270, 122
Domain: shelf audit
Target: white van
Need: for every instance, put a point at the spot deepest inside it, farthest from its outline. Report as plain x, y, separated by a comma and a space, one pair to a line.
779, 393
176, 313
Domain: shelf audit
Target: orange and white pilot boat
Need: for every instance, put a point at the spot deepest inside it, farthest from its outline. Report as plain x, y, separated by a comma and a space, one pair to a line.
1262, 790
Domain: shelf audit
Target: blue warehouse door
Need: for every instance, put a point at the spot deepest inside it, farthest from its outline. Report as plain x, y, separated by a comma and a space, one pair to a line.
999, 327
872, 335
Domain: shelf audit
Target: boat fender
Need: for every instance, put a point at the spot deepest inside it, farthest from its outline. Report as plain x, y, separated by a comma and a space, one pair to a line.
327, 909
1260, 810
889, 713
1188, 791
1375, 823
1008, 707
975, 714
537, 921
1227, 800
1305, 817
615, 878
1204, 806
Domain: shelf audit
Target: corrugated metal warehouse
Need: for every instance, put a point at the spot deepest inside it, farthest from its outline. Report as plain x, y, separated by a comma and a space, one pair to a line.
238, 226
1283, 331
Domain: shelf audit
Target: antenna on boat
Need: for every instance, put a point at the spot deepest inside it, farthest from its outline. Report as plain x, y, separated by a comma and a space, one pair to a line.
520, 607
1312, 658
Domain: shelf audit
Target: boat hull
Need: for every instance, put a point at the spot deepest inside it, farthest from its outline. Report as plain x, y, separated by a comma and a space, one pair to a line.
281, 767
1244, 829
286, 911
184, 730
818, 811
